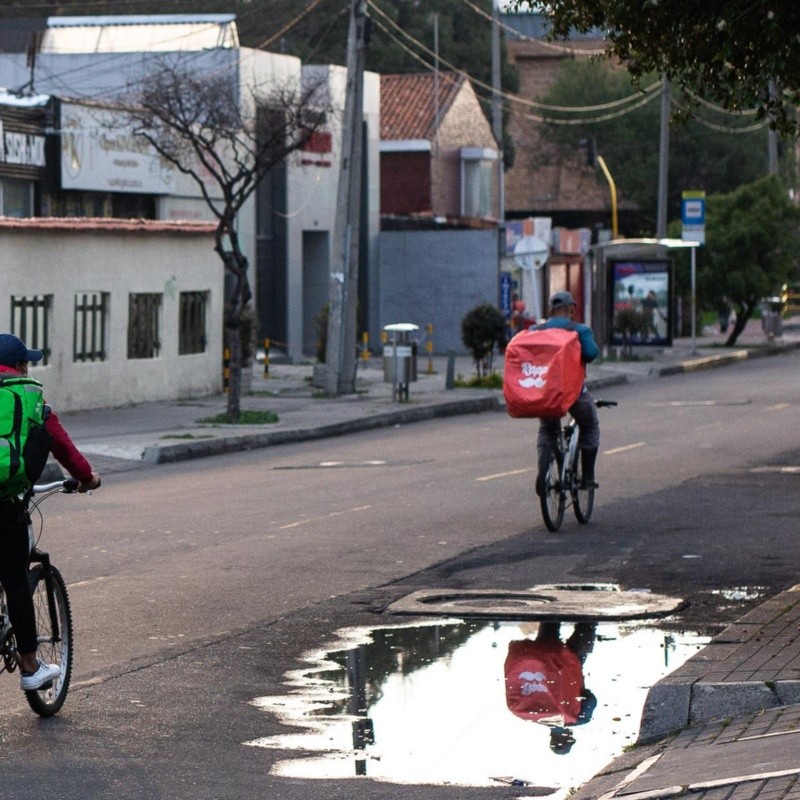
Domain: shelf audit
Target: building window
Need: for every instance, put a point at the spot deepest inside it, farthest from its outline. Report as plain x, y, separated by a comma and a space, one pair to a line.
91, 326
192, 331
143, 325
16, 198
30, 320
478, 172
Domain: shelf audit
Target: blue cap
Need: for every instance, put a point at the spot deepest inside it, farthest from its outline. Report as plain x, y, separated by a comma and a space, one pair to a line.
13, 350
562, 299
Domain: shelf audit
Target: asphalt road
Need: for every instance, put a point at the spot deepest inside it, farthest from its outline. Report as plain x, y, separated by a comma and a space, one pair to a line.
196, 586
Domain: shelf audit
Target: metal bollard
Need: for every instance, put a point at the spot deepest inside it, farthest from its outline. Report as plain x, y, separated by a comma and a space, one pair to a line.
226, 370
450, 380
266, 358
429, 346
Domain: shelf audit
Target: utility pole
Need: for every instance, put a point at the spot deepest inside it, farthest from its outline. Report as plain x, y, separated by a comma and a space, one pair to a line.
772, 140
663, 159
340, 357
497, 110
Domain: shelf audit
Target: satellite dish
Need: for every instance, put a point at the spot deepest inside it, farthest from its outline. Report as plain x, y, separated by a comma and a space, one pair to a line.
530, 252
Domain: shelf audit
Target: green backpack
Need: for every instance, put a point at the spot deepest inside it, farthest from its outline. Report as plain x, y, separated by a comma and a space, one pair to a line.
24, 442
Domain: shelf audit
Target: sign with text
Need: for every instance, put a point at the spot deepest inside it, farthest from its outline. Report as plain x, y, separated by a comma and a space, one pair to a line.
693, 216
100, 154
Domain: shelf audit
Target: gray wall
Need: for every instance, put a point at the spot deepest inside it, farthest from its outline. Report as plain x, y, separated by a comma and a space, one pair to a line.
436, 277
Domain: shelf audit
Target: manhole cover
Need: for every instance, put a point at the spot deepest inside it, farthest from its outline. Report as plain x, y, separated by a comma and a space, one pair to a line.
571, 602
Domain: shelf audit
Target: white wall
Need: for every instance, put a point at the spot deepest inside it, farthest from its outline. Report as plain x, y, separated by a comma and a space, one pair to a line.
62, 258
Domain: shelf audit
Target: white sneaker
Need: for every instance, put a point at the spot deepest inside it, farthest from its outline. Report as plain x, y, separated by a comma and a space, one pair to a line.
29, 681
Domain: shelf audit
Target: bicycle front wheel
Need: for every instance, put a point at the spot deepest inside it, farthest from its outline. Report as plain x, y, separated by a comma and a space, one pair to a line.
553, 497
54, 634
582, 499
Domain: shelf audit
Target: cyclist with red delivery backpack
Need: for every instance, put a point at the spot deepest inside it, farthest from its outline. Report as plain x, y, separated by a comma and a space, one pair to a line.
544, 378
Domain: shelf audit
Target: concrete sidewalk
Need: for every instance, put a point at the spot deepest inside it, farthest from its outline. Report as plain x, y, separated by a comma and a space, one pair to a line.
153, 433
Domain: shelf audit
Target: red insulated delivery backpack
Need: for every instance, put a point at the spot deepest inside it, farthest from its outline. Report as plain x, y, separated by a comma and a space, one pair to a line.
543, 374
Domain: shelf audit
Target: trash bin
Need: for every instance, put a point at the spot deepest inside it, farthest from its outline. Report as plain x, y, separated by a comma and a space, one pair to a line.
771, 317
400, 358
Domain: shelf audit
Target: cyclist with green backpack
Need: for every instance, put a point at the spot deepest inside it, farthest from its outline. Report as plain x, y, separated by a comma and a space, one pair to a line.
29, 431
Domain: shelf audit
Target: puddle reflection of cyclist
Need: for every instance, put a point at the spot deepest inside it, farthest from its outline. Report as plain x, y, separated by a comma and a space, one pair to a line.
544, 681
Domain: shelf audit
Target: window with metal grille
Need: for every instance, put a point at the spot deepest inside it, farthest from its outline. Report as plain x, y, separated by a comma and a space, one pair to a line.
192, 322
90, 327
30, 320
143, 325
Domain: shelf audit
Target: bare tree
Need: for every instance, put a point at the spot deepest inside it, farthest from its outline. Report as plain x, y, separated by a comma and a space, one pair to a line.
227, 143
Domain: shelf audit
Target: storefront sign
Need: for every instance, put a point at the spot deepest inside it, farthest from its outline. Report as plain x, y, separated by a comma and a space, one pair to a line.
101, 153
22, 149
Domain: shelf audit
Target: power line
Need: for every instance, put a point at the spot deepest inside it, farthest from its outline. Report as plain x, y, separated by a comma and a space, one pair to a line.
652, 89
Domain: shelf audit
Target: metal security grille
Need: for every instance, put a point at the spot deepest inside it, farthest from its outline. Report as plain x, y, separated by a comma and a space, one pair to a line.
192, 331
143, 325
90, 326
30, 320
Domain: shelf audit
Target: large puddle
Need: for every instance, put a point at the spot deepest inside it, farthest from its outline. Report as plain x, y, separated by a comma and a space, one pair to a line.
463, 702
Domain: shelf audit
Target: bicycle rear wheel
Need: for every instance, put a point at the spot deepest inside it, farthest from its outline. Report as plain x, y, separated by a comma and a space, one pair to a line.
552, 498
54, 634
582, 499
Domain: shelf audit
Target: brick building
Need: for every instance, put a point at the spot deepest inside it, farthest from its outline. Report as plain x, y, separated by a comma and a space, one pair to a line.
543, 181
438, 155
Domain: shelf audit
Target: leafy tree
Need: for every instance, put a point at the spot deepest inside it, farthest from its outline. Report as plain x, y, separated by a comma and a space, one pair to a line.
727, 52
227, 144
752, 246
482, 329
700, 157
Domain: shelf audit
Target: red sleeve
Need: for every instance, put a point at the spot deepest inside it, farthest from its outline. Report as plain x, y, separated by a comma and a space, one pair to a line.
65, 451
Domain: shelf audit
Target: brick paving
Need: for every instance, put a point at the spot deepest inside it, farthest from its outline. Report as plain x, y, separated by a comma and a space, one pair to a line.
745, 754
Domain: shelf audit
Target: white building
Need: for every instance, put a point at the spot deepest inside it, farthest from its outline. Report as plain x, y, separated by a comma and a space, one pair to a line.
286, 228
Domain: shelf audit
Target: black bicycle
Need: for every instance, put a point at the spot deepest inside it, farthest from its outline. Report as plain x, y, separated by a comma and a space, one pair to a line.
563, 478
53, 614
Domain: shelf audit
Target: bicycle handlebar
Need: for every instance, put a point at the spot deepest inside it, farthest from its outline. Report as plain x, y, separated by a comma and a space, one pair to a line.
67, 486
605, 403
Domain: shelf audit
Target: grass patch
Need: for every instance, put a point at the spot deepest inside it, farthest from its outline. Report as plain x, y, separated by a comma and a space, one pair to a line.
492, 381
185, 436
244, 418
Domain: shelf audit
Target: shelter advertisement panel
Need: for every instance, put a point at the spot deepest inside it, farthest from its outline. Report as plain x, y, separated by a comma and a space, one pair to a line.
641, 302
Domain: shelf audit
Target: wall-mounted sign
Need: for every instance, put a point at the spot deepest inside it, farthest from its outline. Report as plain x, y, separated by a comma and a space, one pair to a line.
101, 153
21, 149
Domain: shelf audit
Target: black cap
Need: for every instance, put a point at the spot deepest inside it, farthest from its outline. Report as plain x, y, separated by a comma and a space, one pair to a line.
13, 350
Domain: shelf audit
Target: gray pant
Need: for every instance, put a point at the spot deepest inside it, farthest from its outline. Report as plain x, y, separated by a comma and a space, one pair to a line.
584, 412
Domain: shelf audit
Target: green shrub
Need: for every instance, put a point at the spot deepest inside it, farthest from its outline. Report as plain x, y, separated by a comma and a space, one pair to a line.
482, 329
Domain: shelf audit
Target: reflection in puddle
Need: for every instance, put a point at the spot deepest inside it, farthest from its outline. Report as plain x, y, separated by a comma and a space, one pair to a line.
474, 703
741, 593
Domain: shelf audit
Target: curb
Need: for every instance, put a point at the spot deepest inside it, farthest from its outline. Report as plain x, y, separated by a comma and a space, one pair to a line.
709, 362
163, 454
690, 695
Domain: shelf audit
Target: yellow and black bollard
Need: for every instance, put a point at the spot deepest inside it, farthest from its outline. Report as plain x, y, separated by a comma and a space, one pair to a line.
429, 346
266, 358
226, 371
365, 347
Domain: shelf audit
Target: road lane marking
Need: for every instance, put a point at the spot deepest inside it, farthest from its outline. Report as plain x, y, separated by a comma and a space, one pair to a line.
778, 470
623, 449
505, 474
88, 582
300, 522
778, 407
